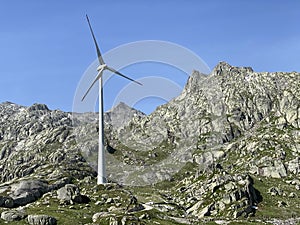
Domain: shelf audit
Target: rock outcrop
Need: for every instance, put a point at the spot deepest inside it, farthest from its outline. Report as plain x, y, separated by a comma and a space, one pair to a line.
41, 220
13, 215
70, 194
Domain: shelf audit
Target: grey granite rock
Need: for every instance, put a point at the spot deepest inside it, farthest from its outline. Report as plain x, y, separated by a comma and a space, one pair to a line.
41, 220
27, 191
70, 194
13, 215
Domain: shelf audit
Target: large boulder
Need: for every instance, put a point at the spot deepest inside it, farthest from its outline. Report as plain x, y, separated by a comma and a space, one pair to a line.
13, 215
70, 194
278, 170
27, 191
41, 220
294, 165
6, 202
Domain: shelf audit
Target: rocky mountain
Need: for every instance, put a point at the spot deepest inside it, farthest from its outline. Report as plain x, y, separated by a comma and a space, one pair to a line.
225, 151
121, 114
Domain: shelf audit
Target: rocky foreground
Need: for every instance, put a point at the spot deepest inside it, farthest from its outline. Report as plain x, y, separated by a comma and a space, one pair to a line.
225, 151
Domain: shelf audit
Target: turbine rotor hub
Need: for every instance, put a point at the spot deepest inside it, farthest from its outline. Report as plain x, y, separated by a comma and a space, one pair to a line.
101, 67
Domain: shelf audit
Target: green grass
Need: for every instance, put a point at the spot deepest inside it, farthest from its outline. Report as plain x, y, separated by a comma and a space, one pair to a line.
245, 222
268, 208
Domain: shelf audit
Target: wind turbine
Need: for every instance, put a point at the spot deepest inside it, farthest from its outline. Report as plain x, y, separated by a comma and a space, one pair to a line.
101, 179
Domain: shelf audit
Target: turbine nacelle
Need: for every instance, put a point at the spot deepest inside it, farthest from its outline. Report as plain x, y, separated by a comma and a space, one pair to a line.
101, 67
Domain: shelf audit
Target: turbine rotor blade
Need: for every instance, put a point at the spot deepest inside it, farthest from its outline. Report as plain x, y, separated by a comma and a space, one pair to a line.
101, 61
122, 75
97, 78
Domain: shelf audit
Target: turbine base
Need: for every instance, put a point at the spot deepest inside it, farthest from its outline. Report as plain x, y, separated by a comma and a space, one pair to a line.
101, 180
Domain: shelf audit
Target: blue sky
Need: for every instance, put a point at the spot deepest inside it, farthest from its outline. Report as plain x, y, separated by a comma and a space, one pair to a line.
45, 46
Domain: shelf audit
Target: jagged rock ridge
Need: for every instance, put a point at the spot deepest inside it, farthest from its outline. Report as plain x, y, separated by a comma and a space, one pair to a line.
235, 121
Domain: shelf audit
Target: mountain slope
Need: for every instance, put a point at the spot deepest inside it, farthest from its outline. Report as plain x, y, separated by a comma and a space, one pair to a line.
221, 129
226, 148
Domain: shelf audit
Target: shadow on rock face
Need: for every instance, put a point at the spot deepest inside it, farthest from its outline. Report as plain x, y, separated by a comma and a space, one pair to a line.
254, 196
110, 149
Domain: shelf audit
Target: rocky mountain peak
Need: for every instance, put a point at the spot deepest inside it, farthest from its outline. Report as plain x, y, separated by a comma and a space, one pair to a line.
38, 106
121, 114
9, 107
7, 103
223, 68
121, 107
194, 81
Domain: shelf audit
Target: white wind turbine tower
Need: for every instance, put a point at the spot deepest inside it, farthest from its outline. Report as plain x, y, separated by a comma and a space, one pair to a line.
102, 67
